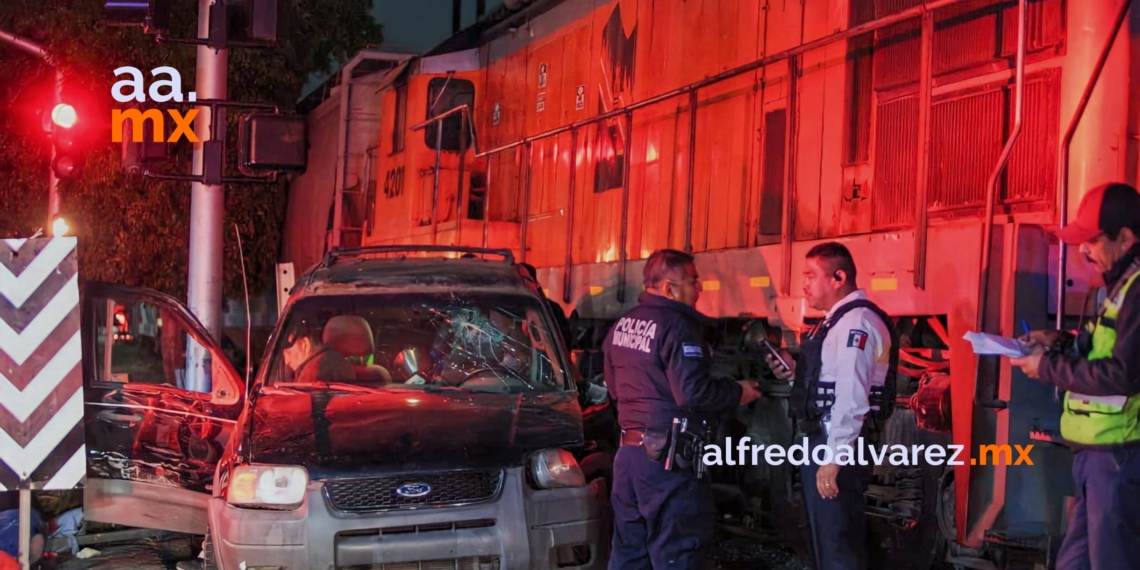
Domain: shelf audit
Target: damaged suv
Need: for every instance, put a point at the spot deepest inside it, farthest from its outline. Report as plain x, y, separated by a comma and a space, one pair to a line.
410, 412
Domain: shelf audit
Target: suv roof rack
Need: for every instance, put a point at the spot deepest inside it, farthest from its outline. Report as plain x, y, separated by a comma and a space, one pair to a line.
332, 256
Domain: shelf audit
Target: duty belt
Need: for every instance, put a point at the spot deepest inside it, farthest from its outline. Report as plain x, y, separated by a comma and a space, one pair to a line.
633, 437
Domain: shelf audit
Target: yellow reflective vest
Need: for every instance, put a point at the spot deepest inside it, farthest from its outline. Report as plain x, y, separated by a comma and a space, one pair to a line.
1104, 420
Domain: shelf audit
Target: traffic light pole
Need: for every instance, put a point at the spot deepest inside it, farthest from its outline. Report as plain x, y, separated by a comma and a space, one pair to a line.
57, 93
53, 180
207, 211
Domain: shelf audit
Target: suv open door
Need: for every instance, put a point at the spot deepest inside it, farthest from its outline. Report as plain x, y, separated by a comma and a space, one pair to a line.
152, 443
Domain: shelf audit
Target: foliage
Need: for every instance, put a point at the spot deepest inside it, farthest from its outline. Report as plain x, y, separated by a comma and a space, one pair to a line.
134, 230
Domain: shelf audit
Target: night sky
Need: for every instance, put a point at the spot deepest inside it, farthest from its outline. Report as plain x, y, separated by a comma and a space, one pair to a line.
418, 25
414, 25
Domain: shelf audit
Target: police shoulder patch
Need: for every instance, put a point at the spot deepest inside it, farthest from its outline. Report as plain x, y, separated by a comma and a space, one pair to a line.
692, 350
857, 339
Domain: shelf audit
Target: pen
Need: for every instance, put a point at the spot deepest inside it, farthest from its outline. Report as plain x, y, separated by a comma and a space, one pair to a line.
1025, 326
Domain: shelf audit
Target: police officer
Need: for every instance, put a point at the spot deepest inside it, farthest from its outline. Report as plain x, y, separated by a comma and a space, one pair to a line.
1099, 370
560, 319
657, 369
839, 379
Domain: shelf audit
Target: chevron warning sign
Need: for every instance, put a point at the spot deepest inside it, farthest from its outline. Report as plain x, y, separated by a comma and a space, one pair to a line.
41, 379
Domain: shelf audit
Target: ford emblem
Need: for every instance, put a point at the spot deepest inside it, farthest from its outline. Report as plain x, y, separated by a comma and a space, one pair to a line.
413, 490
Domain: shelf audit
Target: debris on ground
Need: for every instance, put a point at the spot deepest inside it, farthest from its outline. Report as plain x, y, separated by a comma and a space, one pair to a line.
729, 553
737, 553
134, 555
88, 553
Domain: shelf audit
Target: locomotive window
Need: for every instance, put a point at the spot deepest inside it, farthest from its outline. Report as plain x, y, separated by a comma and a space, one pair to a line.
444, 94
400, 118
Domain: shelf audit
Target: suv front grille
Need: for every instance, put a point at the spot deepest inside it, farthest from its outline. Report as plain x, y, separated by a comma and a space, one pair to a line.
380, 493
474, 563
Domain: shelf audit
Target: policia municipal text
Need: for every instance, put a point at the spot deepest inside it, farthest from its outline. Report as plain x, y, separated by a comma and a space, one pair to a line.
657, 371
1099, 370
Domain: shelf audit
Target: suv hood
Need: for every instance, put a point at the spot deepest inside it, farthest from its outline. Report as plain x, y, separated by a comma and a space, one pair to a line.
394, 430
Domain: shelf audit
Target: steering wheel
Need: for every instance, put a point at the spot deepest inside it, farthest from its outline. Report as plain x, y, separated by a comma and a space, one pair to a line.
485, 378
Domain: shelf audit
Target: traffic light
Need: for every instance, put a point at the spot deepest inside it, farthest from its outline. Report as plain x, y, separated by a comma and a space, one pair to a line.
152, 15
137, 154
272, 143
242, 22
64, 115
59, 227
63, 131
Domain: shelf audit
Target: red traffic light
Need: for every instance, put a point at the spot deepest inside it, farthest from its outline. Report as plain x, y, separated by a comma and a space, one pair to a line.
64, 115
67, 153
64, 167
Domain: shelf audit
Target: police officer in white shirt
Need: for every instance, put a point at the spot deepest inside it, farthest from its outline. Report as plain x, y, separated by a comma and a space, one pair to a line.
840, 385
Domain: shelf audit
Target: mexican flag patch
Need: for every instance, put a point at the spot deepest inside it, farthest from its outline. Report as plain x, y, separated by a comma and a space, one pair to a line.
857, 338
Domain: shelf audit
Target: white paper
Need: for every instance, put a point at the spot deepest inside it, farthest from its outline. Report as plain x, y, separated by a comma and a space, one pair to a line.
999, 345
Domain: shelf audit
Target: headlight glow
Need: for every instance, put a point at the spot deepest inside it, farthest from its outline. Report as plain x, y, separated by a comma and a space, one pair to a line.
555, 468
273, 486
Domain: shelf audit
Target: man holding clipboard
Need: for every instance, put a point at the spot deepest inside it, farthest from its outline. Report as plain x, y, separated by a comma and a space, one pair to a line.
1099, 370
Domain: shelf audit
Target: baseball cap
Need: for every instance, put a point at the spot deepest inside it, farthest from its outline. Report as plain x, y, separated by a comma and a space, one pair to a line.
1106, 208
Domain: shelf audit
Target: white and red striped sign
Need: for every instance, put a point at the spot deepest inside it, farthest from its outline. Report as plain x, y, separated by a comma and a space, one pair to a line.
41, 377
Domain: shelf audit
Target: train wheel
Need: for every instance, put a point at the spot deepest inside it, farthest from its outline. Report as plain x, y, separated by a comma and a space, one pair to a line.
907, 534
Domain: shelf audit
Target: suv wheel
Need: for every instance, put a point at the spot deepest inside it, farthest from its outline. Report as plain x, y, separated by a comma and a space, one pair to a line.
599, 464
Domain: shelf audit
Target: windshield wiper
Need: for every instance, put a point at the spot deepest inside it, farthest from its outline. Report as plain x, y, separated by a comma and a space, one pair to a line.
326, 387
436, 388
439, 389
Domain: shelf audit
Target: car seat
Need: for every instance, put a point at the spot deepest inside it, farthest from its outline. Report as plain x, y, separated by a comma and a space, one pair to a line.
351, 336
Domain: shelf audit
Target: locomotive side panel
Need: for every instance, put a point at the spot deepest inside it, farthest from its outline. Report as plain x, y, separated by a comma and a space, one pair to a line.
397, 173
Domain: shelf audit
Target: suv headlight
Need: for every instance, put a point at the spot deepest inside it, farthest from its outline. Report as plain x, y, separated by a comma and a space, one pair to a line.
555, 468
272, 486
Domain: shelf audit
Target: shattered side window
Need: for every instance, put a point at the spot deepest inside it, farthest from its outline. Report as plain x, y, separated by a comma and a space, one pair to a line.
485, 343
139, 342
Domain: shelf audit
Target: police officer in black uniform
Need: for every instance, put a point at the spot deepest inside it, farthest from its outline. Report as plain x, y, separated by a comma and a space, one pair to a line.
657, 370
842, 385
560, 319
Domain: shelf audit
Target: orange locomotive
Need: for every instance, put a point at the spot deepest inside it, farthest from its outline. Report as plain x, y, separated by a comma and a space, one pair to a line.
936, 140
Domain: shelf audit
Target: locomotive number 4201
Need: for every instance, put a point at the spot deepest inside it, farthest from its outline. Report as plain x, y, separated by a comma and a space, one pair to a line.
394, 182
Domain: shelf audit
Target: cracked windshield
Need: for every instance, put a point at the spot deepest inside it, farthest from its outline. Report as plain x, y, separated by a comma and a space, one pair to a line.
481, 343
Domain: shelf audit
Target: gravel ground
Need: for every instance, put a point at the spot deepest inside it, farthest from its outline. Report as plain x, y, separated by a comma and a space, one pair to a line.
141, 555
731, 553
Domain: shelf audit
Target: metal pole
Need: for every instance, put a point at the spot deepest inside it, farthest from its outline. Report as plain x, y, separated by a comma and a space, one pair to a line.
487, 203
526, 203
25, 528
1063, 159
567, 276
27, 46
991, 186
57, 95
207, 210
924, 112
457, 240
786, 230
435, 182
627, 166
53, 182
691, 174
